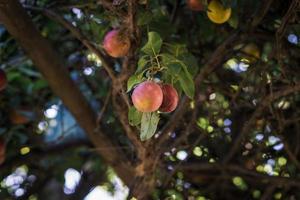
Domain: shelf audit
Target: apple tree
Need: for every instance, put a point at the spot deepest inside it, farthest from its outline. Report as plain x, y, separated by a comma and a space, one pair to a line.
176, 99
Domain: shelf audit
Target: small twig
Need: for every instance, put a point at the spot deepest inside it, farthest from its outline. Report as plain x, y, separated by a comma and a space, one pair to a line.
174, 12
248, 125
290, 154
104, 106
265, 6
282, 29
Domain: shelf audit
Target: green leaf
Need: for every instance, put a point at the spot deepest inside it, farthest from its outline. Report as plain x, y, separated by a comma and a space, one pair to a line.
180, 52
40, 84
152, 47
13, 75
177, 49
149, 125
169, 61
190, 61
134, 116
142, 64
179, 70
187, 84
132, 81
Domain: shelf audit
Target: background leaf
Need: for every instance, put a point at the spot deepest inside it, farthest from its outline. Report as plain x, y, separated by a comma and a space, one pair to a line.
187, 84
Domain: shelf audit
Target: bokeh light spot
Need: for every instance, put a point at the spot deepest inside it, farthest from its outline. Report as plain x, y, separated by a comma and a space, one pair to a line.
24, 150
181, 155
198, 151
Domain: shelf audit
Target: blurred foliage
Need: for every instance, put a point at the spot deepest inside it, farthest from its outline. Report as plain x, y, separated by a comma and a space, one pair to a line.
41, 149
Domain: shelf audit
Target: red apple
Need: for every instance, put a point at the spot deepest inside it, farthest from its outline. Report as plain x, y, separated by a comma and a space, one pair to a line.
147, 96
115, 44
170, 98
2, 151
195, 5
3, 80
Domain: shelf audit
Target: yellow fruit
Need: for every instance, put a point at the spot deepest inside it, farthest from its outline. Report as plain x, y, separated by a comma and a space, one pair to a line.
251, 51
217, 13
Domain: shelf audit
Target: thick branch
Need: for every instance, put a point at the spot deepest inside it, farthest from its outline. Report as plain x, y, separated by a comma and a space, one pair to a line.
233, 170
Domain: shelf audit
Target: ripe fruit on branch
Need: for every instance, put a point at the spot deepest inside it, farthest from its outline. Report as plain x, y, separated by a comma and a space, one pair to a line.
147, 96
18, 117
116, 44
251, 51
2, 151
195, 5
170, 98
217, 13
3, 80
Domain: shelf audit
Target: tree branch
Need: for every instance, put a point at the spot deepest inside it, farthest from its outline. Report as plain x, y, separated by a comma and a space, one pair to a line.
233, 170
248, 125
